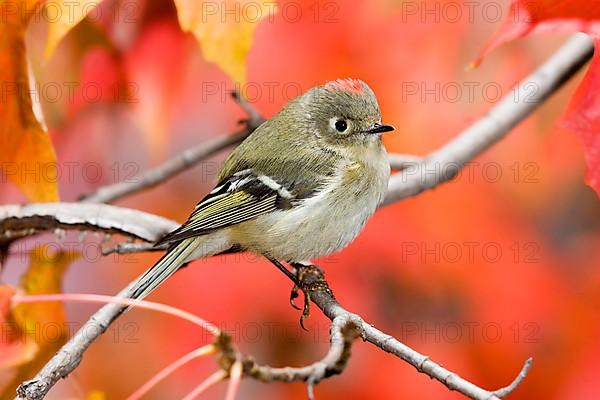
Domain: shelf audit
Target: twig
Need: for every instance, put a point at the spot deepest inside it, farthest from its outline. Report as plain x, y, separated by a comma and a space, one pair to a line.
235, 377
102, 299
129, 248
505, 391
474, 140
70, 355
212, 380
313, 281
444, 163
401, 161
168, 370
420, 174
185, 160
342, 334
254, 118
25, 220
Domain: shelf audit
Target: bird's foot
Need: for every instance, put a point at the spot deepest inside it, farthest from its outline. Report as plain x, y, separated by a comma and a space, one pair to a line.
306, 306
308, 279
293, 296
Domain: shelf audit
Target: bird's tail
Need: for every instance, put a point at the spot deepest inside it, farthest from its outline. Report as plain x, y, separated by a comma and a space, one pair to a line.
174, 258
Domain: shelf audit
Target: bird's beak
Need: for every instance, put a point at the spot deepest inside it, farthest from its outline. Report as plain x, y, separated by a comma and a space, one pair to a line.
379, 128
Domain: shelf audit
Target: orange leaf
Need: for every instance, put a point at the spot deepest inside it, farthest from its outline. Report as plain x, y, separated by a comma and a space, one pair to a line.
13, 350
224, 30
96, 395
34, 331
69, 14
528, 17
26, 147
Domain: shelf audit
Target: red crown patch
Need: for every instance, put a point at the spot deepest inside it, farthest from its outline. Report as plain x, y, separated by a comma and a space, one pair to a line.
350, 85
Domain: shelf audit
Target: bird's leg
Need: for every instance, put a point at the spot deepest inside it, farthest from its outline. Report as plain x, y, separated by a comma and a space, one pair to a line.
298, 269
283, 269
295, 277
315, 277
293, 296
294, 293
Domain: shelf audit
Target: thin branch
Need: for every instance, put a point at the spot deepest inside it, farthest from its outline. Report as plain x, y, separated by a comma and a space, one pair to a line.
181, 162
505, 391
169, 369
445, 163
313, 282
25, 220
212, 380
71, 353
235, 378
399, 162
98, 298
342, 334
129, 248
472, 142
254, 118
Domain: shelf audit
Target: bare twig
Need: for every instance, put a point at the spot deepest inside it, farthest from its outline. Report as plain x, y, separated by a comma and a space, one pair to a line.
181, 162
342, 334
212, 380
70, 355
129, 248
444, 163
399, 162
313, 282
154, 176
25, 220
505, 391
473, 141
254, 118
165, 372
235, 377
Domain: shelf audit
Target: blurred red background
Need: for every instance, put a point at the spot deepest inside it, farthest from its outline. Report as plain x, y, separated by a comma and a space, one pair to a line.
479, 274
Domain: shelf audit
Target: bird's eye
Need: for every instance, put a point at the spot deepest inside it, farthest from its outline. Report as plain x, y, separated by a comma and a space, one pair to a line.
341, 125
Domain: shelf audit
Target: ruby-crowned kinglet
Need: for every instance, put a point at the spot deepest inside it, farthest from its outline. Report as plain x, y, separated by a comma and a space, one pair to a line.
301, 186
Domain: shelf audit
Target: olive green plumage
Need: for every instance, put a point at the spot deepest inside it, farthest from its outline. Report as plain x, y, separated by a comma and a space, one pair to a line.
301, 186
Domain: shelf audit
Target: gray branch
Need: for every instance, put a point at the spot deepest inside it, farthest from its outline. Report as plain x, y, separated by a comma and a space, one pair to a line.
313, 283
410, 181
181, 162
155, 176
444, 163
25, 220
342, 334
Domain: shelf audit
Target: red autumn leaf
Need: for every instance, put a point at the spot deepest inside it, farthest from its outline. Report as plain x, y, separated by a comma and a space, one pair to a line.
528, 17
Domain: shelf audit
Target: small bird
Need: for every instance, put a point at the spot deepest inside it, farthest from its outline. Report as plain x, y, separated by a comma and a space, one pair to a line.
301, 186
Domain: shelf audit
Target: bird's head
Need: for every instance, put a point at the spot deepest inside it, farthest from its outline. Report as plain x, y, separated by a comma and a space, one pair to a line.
342, 112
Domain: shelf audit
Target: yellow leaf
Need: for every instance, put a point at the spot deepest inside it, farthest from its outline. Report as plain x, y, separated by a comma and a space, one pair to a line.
224, 30
40, 328
96, 395
69, 14
27, 157
13, 350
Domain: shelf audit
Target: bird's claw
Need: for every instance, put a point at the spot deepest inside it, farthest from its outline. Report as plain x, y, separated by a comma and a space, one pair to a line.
305, 309
315, 281
293, 296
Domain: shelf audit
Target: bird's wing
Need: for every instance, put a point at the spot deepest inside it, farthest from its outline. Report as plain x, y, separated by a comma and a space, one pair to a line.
243, 196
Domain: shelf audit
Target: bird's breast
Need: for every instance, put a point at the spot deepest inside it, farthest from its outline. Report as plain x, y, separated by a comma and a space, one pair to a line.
326, 222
